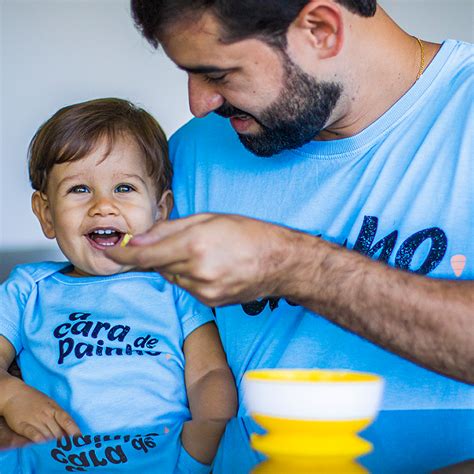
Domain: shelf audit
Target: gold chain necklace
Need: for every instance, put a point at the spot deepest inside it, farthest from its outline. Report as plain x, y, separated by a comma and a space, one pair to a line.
422, 61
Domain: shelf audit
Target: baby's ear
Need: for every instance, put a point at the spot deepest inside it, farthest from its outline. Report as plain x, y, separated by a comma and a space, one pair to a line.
165, 205
40, 206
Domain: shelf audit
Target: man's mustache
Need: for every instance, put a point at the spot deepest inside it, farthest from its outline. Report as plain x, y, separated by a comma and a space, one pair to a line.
227, 110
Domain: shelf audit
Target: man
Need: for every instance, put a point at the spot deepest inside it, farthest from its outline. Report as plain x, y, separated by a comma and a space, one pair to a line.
345, 134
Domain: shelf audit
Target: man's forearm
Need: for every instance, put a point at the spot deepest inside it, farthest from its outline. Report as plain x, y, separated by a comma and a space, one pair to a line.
428, 321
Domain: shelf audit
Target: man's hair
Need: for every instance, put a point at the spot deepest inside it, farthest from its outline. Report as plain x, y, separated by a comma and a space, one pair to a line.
267, 20
74, 131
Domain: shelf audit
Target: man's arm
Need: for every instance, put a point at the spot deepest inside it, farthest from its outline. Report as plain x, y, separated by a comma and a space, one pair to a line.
429, 321
225, 259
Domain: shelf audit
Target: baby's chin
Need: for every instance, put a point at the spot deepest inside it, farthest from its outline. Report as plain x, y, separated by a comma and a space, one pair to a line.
105, 269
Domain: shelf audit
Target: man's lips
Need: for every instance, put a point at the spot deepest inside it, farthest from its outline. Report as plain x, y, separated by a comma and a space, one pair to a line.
241, 123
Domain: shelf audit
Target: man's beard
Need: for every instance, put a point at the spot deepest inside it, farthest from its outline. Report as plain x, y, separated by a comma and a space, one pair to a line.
300, 112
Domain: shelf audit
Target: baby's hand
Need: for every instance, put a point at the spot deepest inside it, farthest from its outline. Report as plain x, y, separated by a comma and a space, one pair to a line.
37, 417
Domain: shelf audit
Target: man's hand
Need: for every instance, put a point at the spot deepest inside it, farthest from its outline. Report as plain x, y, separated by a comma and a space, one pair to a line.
224, 259
220, 259
34, 416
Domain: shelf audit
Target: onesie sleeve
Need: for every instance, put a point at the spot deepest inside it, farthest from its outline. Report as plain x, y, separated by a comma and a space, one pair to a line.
188, 465
191, 312
14, 293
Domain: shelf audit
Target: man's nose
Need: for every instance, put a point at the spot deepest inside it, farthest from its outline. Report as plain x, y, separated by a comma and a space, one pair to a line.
103, 206
203, 98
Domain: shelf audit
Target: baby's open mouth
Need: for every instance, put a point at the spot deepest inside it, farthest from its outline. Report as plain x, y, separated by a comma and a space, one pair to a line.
105, 237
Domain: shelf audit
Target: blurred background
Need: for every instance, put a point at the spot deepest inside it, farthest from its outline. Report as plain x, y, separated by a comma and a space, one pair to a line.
57, 52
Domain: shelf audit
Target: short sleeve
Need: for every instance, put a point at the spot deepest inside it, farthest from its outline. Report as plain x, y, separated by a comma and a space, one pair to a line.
14, 293
191, 312
188, 465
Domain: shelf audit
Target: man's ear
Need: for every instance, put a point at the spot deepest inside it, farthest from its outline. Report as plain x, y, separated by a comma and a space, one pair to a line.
40, 206
165, 205
320, 26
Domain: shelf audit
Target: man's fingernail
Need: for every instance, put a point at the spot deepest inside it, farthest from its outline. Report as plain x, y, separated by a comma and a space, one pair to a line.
137, 239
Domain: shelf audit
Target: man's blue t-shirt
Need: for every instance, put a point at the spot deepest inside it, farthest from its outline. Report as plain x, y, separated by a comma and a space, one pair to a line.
400, 191
108, 349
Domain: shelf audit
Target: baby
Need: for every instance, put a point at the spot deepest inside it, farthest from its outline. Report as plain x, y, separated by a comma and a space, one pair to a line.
101, 346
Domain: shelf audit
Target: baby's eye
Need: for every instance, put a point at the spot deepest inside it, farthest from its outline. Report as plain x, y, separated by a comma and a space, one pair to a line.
124, 188
80, 188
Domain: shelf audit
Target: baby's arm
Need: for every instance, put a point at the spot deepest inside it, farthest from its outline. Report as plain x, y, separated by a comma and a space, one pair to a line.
209, 381
211, 392
26, 410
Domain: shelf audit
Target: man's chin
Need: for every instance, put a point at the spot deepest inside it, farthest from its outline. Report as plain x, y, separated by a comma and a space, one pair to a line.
259, 147
265, 144
253, 137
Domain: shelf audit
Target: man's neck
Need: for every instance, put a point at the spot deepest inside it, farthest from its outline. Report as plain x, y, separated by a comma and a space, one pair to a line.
384, 64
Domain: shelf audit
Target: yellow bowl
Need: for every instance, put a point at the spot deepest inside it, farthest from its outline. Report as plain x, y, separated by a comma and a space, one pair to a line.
312, 402
326, 466
280, 446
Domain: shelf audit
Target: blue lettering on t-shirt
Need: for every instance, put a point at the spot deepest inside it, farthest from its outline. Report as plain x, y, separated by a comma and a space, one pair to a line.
68, 345
382, 250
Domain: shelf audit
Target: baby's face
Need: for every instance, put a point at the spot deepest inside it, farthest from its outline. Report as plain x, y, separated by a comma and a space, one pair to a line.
93, 202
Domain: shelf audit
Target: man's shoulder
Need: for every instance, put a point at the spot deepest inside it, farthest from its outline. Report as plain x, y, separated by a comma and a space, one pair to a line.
443, 94
459, 65
462, 49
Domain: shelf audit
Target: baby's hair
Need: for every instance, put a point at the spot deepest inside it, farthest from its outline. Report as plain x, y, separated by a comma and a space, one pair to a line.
74, 131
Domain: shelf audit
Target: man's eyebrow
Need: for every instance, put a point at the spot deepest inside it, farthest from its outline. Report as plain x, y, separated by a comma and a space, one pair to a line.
204, 69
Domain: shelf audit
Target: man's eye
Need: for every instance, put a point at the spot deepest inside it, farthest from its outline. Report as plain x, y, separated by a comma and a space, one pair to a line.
80, 188
124, 188
215, 79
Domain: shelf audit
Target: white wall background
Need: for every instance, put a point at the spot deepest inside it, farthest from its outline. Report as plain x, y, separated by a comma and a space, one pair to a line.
57, 52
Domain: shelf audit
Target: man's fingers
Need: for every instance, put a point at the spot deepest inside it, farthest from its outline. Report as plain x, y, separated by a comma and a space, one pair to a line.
135, 256
68, 425
180, 268
178, 279
164, 229
168, 251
